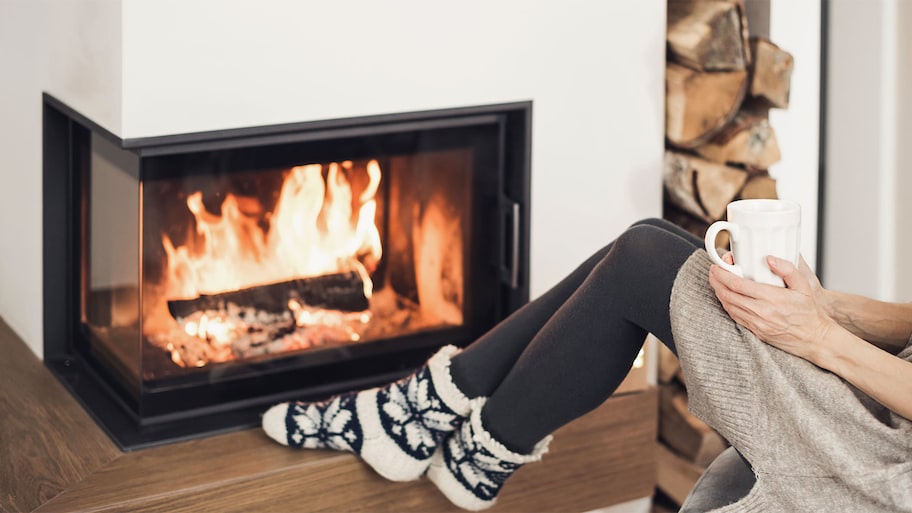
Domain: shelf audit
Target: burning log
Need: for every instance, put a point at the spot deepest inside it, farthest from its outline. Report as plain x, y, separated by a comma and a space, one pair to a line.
339, 291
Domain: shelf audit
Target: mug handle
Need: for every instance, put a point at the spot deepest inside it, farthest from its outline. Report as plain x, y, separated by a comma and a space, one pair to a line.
710, 242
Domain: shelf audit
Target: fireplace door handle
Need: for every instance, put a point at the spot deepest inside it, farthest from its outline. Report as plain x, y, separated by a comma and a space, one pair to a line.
510, 267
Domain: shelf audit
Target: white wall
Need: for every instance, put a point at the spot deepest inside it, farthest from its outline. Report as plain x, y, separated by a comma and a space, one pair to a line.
795, 27
594, 70
73, 50
903, 215
867, 236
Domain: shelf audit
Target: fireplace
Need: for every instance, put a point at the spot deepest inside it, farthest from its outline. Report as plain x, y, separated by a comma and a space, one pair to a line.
191, 280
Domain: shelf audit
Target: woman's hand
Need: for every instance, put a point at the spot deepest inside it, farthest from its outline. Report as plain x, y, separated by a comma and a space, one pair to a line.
820, 294
792, 319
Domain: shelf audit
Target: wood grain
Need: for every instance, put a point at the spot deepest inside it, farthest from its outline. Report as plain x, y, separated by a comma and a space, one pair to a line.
683, 432
53, 457
604, 458
47, 441
676, 476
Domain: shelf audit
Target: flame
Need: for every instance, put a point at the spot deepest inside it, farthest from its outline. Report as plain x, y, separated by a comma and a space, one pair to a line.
313, 230
320, 224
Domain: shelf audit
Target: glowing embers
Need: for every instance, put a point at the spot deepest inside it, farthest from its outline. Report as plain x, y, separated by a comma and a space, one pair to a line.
294, 266
241, 332
250, 282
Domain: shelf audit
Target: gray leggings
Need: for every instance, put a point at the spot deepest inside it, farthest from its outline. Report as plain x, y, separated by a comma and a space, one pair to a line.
563, 354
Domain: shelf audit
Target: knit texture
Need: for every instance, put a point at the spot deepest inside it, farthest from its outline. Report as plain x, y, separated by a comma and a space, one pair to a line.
395, 429
815, 442
470, 467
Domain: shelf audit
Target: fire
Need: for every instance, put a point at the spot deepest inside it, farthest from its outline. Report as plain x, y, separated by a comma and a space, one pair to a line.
253, 279
314, 230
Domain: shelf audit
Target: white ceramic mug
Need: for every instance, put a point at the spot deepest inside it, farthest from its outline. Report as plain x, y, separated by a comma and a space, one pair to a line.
758, 228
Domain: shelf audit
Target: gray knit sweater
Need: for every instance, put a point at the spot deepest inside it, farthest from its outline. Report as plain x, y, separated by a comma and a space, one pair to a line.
815, 442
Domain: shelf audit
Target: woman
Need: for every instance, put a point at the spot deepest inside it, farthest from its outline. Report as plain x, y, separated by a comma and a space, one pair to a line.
784, 374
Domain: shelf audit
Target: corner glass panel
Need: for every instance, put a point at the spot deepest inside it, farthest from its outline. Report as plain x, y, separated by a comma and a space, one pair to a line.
111, 280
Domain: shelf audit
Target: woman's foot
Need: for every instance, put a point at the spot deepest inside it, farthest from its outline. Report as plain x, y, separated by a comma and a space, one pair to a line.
394, 429
470, 467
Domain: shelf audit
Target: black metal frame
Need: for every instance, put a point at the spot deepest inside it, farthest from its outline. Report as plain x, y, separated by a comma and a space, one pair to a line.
236, 403
822, 136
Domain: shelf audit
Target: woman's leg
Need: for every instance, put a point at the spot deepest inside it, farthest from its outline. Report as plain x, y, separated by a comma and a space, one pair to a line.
396, 428
572, 364
481, 367
585, 349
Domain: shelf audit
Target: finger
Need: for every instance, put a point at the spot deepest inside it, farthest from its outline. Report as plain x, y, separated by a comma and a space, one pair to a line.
756, 321
728, 258
789, 273
716, 273
742, 316
731, 299
736, 283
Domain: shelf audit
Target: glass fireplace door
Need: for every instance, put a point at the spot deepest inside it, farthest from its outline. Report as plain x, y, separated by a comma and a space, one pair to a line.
244, 265
203, 276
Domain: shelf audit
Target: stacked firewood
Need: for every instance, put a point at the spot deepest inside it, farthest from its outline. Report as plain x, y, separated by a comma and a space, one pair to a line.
720, 86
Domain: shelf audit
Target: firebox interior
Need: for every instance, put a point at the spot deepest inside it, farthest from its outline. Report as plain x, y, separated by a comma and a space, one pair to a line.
207, 275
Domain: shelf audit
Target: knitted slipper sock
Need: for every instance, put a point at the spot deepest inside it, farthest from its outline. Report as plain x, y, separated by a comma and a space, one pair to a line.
395, 429
470, 467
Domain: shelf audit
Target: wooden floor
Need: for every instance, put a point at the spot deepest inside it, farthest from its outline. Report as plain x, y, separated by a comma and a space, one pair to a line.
53, 457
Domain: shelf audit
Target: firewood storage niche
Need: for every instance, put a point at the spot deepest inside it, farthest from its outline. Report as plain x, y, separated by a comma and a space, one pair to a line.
214, 273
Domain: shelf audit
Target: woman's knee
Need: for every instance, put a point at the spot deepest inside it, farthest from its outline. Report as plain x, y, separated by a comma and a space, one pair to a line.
672, 228
651, 221
644, 240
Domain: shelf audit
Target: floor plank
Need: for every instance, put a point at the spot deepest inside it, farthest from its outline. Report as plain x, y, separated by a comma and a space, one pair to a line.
47, 441
604, 458
53, 457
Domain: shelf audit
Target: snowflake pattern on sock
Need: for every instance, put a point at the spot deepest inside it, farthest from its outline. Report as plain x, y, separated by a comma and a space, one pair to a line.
480, 472
414, 416
332, 424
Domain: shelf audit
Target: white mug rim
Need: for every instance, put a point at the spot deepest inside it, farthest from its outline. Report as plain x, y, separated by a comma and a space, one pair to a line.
764, 211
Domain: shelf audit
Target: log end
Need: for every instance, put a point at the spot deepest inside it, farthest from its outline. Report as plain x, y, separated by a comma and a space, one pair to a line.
698, 105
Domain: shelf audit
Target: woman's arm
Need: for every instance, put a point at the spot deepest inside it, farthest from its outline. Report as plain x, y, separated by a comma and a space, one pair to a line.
886, 325
881, 375
793, 320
